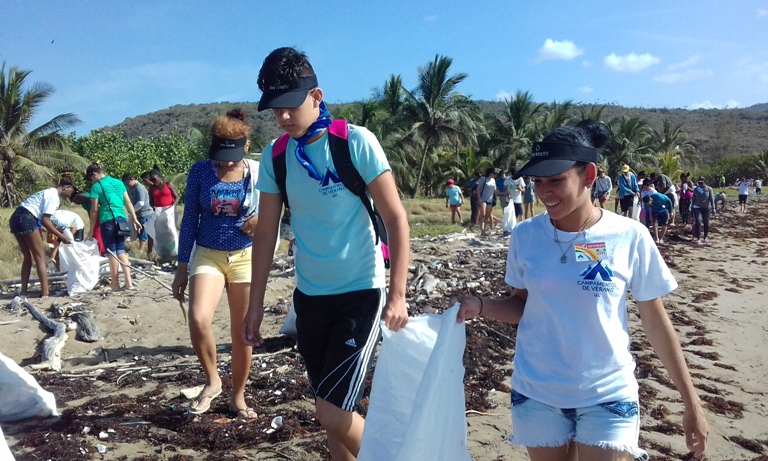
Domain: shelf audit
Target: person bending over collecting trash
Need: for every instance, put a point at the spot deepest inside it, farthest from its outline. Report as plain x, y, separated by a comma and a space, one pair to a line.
220, 215
720, 201
658, 206
574, 393
340, 293
65, 219
25, 223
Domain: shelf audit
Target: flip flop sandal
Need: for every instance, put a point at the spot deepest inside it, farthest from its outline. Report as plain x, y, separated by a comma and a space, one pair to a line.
199, 408
244, 413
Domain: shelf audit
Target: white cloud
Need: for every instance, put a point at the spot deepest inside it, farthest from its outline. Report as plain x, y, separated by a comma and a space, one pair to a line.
630, 63
502, 95
682, 77
762, 13
565, 50
684, 64
585, 89
586, 64
431, 18
730, 104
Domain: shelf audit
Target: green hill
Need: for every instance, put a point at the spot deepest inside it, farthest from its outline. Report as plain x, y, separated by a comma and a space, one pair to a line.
715, 131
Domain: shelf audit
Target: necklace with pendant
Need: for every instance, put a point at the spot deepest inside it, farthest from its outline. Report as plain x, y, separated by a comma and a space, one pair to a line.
563, 256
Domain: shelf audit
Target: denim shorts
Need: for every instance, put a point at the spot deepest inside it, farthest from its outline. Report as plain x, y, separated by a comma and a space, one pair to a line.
23, 222
611, 425
112, 241
143, 236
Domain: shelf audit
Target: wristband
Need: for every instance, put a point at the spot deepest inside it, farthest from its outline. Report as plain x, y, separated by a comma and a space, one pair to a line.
481, 305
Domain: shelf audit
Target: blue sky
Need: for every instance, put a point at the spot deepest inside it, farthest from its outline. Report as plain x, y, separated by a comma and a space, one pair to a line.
113, 60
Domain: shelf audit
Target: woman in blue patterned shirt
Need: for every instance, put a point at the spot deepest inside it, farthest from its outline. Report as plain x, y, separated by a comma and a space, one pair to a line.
220, 213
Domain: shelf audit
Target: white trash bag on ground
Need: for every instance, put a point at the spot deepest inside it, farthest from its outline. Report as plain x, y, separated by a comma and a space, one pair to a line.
416, 409
81, 262
162, 228
5, 452
20, 395
509, 220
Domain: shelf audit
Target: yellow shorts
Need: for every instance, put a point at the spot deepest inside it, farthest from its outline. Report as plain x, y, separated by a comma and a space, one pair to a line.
234, 266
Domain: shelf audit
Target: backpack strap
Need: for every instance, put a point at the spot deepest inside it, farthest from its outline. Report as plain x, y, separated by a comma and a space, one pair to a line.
338, 140
278, 164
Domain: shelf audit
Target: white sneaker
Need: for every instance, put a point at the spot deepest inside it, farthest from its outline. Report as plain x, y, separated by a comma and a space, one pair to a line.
700, 242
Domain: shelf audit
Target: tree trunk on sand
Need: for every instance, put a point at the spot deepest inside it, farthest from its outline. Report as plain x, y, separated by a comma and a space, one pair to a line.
51, 354
421, 168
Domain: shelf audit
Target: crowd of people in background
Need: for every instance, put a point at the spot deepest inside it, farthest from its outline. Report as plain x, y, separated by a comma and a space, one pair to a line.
495, 187
655, 199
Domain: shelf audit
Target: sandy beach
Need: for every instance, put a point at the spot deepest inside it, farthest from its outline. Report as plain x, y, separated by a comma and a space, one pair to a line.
128, 384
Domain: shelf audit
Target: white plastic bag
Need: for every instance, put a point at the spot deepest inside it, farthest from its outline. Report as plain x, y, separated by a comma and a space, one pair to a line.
81, 261
636, 208
20, 395
162, 228
5, 452
289, 324
416, 409
509, 220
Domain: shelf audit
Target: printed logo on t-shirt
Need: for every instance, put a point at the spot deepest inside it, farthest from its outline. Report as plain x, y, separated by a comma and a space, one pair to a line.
331, 184
597, 278
589, 251
225, 202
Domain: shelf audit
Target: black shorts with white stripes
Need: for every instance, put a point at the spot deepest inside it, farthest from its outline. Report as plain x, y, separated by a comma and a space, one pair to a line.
337, 337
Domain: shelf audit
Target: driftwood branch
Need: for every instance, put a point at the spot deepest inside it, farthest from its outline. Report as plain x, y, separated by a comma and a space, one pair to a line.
51, 355
32, 279
141, 262
55, 277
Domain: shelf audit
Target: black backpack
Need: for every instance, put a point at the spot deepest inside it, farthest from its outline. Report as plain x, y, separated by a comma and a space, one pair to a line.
338, 140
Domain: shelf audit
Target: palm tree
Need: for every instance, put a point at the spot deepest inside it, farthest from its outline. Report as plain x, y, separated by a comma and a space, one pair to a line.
674, 139
669, 163
464, 165
556, 115
436, 112
630, 144
761, 160
594, 113
512, 132
36, 153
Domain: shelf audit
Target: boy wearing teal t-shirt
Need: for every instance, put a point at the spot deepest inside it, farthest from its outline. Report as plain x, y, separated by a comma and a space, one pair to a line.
340, 288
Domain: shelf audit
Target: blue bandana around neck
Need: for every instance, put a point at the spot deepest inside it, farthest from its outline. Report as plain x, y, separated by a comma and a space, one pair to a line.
317, 127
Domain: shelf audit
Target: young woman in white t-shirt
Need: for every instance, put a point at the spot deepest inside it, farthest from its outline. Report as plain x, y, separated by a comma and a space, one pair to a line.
33, 213
574, 393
